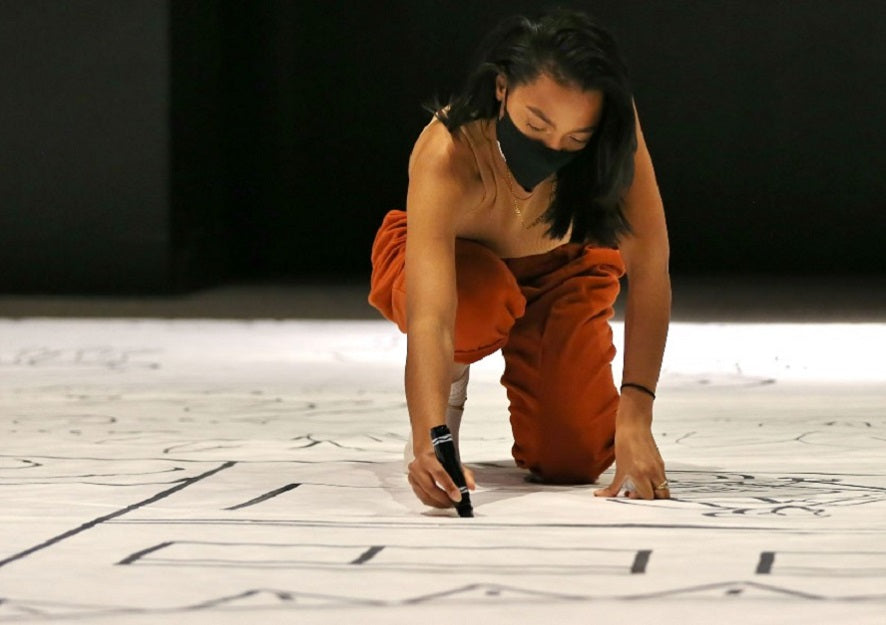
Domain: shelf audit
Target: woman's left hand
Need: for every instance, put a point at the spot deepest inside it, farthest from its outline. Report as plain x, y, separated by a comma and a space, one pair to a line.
639, 467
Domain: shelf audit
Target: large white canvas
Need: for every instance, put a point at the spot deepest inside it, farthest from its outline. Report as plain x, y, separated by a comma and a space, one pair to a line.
218, 472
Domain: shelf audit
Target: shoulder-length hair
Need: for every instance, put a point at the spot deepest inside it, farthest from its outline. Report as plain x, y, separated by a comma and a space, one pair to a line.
573, 49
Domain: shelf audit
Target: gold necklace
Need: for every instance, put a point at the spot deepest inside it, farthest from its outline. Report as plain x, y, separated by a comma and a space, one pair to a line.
518, 211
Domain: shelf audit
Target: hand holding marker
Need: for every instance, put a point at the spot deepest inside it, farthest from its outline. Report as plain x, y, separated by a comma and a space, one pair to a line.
444, 449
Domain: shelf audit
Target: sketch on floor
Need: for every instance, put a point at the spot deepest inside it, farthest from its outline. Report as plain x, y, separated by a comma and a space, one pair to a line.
202, 468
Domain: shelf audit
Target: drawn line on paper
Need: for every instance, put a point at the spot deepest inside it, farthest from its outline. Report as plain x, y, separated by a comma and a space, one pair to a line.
286, 598
471, 594
495, 591
140, 554
81, 476
736, 588
842, 564
543, 560
108, 517
265, 497
482, 527
279, 595
367, 555
640, 561
764, 567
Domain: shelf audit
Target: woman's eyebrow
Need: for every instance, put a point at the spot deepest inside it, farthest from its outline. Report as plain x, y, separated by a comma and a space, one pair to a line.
545, 119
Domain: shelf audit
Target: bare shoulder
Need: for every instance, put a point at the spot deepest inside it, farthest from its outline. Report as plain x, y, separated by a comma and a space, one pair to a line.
647, 244
443, 163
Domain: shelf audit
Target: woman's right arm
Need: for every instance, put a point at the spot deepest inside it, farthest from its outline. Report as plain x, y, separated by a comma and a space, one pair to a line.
439, 182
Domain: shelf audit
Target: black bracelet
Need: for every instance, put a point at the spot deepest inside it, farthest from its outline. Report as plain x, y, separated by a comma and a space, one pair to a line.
639, 387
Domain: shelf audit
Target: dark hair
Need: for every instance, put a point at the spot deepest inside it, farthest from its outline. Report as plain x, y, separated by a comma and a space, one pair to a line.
573, 49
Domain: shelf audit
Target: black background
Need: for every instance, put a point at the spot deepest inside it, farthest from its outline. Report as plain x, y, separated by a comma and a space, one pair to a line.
153, 146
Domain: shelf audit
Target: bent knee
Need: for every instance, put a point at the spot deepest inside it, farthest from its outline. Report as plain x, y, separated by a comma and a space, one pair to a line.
573, 462
489, 301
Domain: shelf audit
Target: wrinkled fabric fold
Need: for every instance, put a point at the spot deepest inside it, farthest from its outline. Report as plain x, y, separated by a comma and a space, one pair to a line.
558, 359
549, 314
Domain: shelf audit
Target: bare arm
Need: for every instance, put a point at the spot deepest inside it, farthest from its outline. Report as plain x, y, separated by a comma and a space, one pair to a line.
439, 185
645, 252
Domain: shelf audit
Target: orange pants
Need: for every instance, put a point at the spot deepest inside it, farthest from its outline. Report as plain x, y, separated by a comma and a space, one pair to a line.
549, 314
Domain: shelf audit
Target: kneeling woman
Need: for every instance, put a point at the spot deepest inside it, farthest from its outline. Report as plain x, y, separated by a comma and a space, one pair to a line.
530, 194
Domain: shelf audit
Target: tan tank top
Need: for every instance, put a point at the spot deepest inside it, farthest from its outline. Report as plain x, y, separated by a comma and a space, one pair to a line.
506, 219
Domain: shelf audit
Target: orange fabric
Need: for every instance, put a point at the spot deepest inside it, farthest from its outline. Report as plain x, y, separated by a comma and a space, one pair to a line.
489, 299
388, 263
549, 314
557, 363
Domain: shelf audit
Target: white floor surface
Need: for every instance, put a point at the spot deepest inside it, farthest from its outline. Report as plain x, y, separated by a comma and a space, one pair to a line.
251, 472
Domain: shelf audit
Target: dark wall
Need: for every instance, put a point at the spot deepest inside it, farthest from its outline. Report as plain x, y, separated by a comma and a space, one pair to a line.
763, 118
765, 122
84, 143
114, 130
320, 95
157, 145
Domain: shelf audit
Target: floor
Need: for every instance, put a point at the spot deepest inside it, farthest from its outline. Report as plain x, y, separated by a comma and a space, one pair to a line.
236, 455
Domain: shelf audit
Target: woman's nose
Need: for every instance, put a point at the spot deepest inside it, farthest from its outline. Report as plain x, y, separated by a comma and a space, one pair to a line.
557, 143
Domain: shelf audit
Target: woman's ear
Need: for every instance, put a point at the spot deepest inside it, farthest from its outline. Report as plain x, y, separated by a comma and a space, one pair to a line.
501, 86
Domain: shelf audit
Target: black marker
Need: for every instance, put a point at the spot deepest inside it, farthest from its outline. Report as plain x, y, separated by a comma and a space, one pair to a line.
444, 449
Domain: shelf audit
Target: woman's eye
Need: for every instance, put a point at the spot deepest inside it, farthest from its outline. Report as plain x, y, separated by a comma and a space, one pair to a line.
531, 127
580, 141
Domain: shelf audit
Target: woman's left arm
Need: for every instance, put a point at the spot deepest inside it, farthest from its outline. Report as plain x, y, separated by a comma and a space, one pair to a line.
645, 252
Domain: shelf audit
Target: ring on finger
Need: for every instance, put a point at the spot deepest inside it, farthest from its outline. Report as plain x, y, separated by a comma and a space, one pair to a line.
662, 486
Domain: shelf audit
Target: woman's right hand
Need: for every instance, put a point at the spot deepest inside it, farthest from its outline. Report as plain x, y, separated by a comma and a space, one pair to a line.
432, 485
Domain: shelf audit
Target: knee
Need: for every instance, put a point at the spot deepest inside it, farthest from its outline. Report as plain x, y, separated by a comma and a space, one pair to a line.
489, 301
573, 465
566, 455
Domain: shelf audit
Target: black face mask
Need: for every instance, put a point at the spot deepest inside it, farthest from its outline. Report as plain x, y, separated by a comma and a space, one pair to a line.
530, 161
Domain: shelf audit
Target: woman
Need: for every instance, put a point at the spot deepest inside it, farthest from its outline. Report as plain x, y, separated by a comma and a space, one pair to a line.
530, 194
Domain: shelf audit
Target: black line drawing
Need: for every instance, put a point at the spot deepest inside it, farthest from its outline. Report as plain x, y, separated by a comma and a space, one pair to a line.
446, 522
810, 495
281, 598
265, 497
731, 589
501, 559
300, 501
138, 555
108, 517
823, 563
367, 555
478, 594
764, 567
28, 610
641, 560
85, 478
495, 592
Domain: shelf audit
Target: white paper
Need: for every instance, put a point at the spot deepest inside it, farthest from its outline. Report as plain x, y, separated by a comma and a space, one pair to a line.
220, 472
